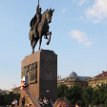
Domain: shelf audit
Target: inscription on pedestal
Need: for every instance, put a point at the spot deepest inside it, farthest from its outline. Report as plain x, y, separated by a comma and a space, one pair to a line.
30, 72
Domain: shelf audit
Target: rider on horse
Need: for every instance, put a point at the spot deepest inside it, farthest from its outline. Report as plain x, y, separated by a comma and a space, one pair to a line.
39, 26
36, 19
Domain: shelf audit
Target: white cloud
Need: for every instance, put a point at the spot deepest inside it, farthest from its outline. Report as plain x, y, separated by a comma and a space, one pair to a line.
81, 37
98, 11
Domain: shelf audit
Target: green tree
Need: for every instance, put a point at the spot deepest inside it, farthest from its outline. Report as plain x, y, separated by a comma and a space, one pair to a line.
102, 89
6, 99
62, 90
74, 94
87, 95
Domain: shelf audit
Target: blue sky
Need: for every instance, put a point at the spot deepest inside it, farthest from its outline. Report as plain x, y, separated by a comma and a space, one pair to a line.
79, 36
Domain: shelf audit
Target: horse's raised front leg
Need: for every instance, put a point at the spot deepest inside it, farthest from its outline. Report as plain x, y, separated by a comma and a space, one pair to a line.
49, 38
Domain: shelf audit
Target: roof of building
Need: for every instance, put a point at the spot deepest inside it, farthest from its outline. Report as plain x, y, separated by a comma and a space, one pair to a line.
84, 78
103, 74
73, 75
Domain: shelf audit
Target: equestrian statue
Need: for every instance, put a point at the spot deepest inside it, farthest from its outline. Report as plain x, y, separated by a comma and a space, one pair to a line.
39, 27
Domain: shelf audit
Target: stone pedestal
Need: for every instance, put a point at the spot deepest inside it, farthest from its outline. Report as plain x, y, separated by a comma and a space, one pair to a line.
39, 70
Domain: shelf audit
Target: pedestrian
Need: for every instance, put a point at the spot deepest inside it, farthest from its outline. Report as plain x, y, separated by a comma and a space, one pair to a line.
41, 102
14, 103
62, 102
77, 104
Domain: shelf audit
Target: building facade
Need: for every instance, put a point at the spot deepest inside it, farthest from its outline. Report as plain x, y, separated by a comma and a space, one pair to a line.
74, 79
98, 79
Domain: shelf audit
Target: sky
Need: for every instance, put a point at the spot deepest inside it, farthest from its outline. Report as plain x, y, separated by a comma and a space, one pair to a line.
79, 37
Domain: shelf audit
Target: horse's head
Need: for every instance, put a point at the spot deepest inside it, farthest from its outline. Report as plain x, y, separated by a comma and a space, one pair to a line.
49, 13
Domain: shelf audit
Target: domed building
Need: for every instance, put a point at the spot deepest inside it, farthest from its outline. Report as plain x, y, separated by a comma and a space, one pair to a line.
74, 79
73, 75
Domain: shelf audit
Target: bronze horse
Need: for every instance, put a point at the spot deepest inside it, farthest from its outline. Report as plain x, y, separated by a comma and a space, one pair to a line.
42, 29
